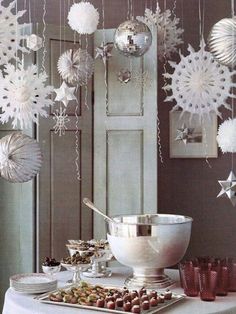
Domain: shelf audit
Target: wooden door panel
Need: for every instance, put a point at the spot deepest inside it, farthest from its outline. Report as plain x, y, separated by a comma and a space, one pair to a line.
61, 214
125, 136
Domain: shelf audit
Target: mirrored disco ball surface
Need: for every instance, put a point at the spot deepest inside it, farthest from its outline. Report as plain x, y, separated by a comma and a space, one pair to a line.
133, 38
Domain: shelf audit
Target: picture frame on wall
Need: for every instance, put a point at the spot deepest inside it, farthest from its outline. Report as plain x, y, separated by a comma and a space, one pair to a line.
189, 138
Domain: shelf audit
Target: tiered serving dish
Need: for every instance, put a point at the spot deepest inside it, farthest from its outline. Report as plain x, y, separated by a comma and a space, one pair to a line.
33, 283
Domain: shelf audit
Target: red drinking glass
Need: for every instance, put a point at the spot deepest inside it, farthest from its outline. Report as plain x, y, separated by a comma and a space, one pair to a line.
207, 284
189, 279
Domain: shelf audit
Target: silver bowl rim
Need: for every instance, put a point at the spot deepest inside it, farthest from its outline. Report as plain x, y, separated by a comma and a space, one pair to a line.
188, 219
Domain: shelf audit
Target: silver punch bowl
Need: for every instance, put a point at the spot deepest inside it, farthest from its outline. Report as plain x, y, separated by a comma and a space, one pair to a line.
148, 244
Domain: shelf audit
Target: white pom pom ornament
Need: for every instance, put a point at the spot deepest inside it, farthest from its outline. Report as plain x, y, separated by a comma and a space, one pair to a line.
83, 18
226, 137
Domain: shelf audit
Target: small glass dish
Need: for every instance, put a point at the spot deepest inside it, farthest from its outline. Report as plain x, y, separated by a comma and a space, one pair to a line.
76, 269
98, 267
50, 270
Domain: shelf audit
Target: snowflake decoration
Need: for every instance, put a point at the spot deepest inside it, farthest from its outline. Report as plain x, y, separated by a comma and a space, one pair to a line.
199, 84
61, 119
34, 42
10, 32
141, 79
168, 33
23, 95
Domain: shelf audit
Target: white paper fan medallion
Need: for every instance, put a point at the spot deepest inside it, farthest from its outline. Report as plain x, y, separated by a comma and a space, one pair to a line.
76, 66
169, 35
24, 95
199, 84
20, 157
10, 34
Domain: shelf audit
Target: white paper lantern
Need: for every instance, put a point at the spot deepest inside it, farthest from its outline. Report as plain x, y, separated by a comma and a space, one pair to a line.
226, 137
83, 18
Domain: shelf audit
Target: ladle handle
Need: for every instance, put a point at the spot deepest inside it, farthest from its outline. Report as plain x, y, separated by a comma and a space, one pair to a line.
90, 204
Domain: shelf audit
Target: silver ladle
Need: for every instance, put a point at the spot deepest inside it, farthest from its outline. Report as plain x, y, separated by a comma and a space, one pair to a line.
90, 204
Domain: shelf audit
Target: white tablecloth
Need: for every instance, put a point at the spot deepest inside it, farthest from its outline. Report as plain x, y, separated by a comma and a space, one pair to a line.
16, 303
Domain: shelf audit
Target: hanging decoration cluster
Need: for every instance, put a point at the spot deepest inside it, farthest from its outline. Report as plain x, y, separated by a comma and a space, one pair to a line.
23, 92
20, 158
199, 84
169, 35
83, 18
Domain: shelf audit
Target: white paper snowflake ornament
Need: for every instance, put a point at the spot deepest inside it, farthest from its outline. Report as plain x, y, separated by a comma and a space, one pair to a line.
83, 18
20, 158
169, 35
199, 84
34, 42
24, 95
228, 188
65, 94
61, 119
226, 137
10, 34
76, 66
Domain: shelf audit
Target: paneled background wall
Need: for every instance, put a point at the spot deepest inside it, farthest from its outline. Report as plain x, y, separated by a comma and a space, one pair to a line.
186, 186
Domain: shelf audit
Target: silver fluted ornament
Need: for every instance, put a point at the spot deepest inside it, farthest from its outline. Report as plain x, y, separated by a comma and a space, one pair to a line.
133, 38
222, 41
20, 157
76, 66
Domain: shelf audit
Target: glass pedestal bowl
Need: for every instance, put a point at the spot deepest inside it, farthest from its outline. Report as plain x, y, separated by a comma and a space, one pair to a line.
98, 267
76, 270
51, 270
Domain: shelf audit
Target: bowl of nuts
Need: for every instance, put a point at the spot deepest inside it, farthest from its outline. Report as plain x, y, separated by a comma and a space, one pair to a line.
76, 264
50, 266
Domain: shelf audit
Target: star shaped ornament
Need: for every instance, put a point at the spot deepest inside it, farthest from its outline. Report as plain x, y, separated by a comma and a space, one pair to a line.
184, 133
104, 51
228, 187
65, 94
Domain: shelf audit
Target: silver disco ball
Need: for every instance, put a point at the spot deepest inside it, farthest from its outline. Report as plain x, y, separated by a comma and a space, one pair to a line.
133, 38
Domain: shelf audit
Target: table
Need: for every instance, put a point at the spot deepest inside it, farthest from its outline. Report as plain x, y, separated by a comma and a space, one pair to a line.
16, 303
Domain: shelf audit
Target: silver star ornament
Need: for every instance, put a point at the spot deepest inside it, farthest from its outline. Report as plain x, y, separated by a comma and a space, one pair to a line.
184, 133
104, 51
65, 94
228, 187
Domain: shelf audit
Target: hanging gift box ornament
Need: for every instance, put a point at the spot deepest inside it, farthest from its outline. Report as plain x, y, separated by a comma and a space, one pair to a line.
133, 38
228, 188
24, 95
11, 33
169, 35
199, 84
34, 42
20, 158
226, 137
222, 41
76, 66
83, 18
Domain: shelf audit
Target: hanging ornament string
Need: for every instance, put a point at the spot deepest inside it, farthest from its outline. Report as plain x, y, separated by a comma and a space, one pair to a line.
201, 14
164, 55
44, 36
106, 62
87, 78
232, 100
